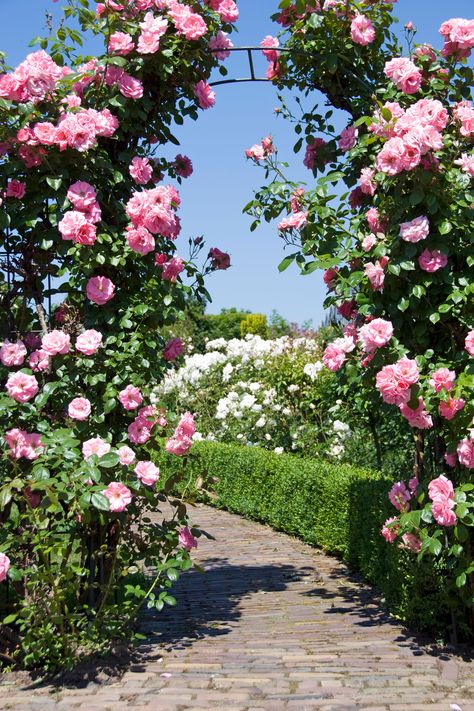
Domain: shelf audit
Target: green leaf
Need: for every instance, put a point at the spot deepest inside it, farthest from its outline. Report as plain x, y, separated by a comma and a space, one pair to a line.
285, 263
403, 304
461, 580
107, 461
99, 501
445, 227
9, 619
172, 574
45, 394
54, 183
435, 547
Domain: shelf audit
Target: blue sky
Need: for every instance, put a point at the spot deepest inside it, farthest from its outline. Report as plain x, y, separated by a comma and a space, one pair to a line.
223, 180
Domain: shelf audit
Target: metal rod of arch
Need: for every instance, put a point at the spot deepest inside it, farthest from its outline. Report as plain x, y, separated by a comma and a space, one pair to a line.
252, 77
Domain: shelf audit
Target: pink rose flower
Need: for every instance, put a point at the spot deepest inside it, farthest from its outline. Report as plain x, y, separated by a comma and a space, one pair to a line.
187, 22
294, 222
15, 189
418, 417
22, 387
178, 447
390, 529
404, 74
391, 159
469, 343
443, 378
186, 539
415, 230
375, 274
130, 87
205, 96
466, 163
449, 408
79, 409
450, 458
406, 370
100, 289
45, 132
120, 43
362, 30
393, 389
465, 452
348, 138
330, 277
147, 472
39, 361
271, 43
152, 30
311, 154
89, 342
82, 196
220, 45
24, 444
375, 334
186, 426
411, 542
173, 349
141, 170
399, 496
140, 240
119, 496
432, 261
75, 227
366, 181
369, 242
442, 510
126, 455
4, 566
12, 354
97, 446
139, 431
56, 343
441, 488
130, 397
227, 9
333, 358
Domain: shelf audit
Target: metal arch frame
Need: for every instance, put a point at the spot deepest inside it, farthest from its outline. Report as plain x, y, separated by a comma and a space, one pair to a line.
249, 51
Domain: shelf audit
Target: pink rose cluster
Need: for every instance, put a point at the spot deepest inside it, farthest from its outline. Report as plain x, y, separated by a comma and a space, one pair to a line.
34, 79
404, 73
441, 493
130, 87
463, 112
154, 210
418, 417
24, 444
260, 151
413, 135
181, 441
294, 222
140, 430
152, 30
272, 55
458, 35
226, 9
188, 23
78, 130
78, 225
394, 381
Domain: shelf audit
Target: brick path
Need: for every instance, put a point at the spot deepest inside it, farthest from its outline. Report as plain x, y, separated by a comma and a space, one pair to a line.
273, 625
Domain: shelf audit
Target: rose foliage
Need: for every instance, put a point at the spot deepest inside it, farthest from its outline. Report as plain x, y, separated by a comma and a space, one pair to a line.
88, 219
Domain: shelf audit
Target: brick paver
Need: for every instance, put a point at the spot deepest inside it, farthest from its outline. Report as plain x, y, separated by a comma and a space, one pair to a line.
272, 625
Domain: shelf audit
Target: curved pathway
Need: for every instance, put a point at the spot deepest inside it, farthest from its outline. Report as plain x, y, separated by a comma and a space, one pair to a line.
272, 625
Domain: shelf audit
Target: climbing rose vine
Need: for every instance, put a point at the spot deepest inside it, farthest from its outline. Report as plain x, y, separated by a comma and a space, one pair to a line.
89, 217
390, 218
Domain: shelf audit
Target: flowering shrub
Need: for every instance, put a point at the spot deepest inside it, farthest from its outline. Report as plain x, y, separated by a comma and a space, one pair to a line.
89, 219
277, 395
396, 248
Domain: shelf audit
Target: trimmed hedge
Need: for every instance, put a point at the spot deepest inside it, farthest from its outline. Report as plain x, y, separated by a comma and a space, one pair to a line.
338, 508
